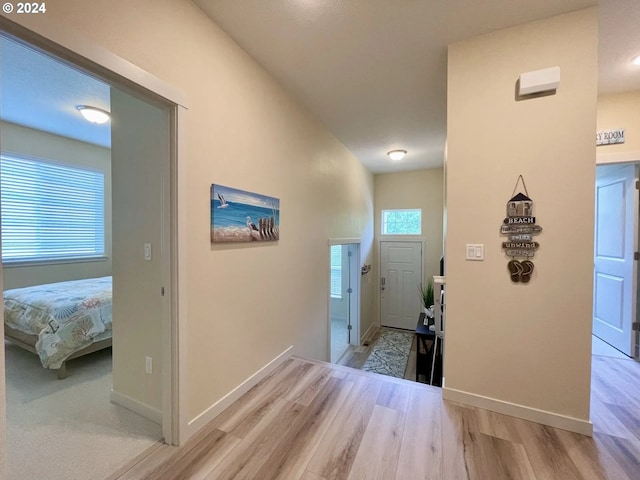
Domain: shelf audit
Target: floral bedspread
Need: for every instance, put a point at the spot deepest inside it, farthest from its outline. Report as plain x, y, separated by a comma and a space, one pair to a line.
66, 316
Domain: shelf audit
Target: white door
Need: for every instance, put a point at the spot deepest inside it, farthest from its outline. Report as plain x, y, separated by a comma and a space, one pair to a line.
353, 292
339, 302
401, 273
614, 294
344, 303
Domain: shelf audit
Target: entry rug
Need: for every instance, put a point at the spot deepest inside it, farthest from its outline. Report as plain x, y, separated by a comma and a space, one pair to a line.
390, 354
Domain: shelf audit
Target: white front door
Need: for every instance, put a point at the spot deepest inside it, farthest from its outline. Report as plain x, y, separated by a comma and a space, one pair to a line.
614, 290
401, 274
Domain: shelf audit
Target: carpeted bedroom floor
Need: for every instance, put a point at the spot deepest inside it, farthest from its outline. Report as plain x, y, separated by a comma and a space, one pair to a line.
68, 429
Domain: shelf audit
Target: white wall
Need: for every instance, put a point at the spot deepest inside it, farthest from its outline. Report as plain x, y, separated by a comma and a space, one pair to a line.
415, 189
140, 153
246, 303
620, 110
509, 345
17, 139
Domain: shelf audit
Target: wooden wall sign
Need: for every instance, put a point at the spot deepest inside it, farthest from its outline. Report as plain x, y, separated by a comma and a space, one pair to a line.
520, 253
608, 137
524, 245
520, 225
520, 229
520, 220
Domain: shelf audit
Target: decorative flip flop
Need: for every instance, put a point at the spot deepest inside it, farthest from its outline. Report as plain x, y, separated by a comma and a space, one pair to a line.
515, 269
527, 270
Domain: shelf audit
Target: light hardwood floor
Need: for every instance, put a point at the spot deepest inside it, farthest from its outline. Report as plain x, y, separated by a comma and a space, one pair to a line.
316, 421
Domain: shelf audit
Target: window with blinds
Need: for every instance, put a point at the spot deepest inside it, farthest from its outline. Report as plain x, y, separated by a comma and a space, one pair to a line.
50, 211
336, 271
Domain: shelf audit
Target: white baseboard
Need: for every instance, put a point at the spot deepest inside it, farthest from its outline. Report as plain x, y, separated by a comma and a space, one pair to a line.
136, 406
366, 334
214, 410
543, 417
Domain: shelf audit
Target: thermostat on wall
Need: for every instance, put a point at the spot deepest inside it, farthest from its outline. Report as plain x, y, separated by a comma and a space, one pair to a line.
539, 81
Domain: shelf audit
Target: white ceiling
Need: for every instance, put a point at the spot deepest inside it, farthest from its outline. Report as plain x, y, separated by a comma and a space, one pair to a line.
374, 71
619, 42
42, 93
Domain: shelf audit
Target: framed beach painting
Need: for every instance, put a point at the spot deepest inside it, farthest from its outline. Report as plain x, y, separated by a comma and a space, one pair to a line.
241, 216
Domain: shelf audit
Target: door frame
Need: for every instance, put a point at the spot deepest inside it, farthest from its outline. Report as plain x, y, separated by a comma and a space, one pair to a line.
356, 294
93, 60
396, 239
625, 158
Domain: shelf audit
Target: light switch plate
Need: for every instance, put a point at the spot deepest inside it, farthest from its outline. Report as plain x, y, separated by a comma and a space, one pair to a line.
475, 252
147, 251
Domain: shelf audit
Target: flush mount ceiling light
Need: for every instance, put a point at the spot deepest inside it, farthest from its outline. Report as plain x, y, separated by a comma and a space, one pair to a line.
94, 114
636, 60
397, 154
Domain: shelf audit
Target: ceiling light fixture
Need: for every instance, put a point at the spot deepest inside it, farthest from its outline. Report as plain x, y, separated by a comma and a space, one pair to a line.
94, 114
636, 60
397, 154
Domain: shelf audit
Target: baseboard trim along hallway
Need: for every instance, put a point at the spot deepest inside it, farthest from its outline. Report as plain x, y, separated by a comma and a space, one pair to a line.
214, 410
519, 411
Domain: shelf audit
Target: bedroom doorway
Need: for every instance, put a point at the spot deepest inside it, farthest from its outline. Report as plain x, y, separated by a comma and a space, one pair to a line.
138, 254
616, 283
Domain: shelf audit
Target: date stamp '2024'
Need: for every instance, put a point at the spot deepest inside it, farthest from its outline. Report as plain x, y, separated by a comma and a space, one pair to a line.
24, 7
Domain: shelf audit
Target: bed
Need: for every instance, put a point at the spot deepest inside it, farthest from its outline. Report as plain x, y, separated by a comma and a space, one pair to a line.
60, 321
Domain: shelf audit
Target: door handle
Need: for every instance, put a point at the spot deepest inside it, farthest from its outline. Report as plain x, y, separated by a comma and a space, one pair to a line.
382, 283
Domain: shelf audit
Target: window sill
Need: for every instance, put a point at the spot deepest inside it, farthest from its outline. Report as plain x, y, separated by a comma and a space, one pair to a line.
61, 261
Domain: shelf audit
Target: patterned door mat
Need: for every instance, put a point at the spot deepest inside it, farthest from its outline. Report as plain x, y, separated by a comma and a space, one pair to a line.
390, 354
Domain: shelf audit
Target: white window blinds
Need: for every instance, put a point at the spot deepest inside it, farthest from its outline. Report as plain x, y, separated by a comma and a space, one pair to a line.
336, 271
50, 211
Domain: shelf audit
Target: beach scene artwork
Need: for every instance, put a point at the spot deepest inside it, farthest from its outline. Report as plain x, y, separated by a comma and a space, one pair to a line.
241, 216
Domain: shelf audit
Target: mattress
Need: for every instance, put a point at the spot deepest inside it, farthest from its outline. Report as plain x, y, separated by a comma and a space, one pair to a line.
65, 316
